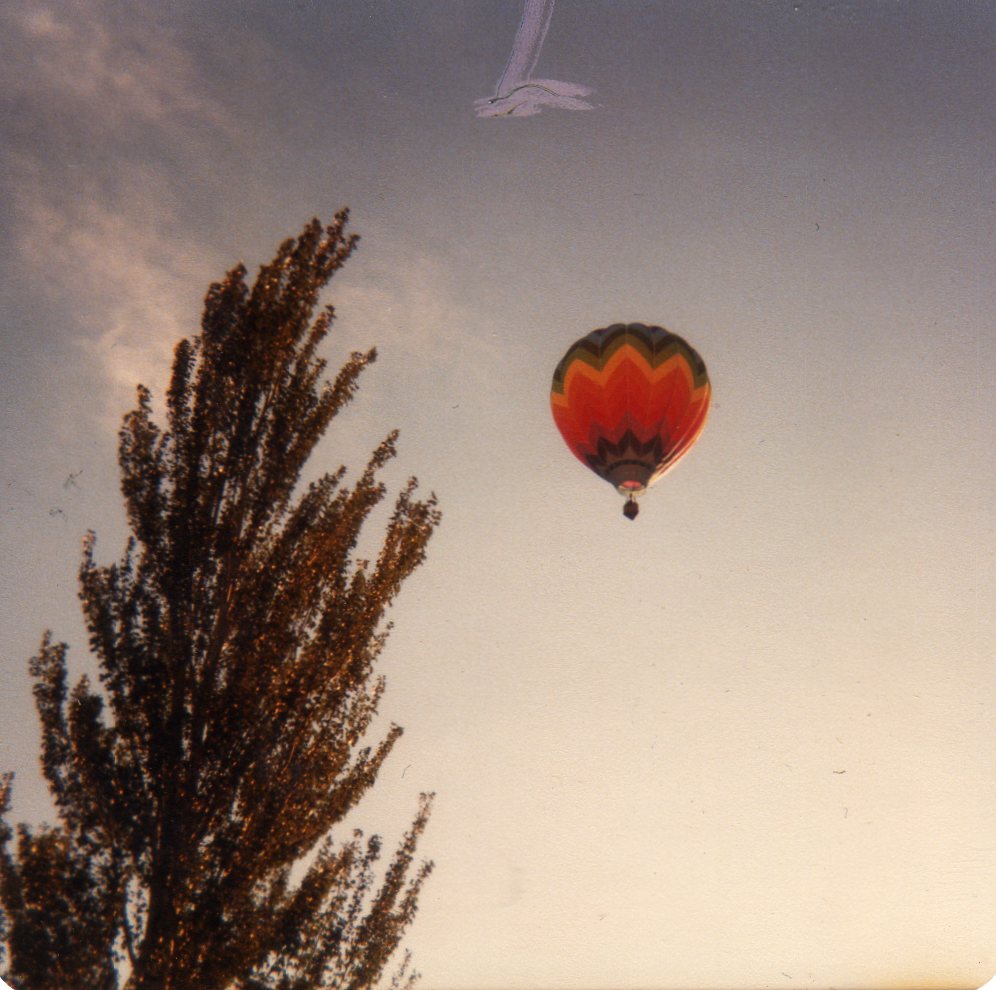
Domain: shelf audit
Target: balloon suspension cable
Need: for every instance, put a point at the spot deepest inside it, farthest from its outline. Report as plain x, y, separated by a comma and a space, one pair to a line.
630, 509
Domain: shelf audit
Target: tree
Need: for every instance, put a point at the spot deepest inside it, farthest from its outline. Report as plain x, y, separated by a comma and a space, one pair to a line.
236, 642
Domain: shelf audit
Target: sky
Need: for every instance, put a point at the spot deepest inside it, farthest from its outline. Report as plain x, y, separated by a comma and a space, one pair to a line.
744, 741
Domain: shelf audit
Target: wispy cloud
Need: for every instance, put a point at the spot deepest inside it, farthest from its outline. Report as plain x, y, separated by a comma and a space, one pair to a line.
95, 102
119, 67
112, 122
132, 288
410, 303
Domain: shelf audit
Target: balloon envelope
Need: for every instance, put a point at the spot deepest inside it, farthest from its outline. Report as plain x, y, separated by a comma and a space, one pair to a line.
630, 400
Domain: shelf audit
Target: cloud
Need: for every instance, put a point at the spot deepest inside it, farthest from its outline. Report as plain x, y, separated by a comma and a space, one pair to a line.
132, 289
108, 70
105, 113
116, 134
408, 301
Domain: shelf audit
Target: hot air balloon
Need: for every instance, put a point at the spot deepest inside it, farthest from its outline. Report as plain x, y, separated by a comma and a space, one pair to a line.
629, 401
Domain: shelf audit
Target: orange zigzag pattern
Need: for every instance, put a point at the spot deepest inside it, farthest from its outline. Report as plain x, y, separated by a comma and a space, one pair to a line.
627, 395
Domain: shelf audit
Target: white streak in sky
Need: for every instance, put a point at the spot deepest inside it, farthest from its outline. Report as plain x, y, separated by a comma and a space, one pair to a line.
517, 93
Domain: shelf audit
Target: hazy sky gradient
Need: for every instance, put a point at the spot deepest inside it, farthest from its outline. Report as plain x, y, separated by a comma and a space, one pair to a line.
636, 732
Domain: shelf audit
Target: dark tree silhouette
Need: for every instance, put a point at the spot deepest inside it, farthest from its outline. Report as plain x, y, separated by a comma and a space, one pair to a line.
236, 642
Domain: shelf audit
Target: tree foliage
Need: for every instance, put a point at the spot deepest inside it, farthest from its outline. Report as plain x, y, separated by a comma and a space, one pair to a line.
236, 641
